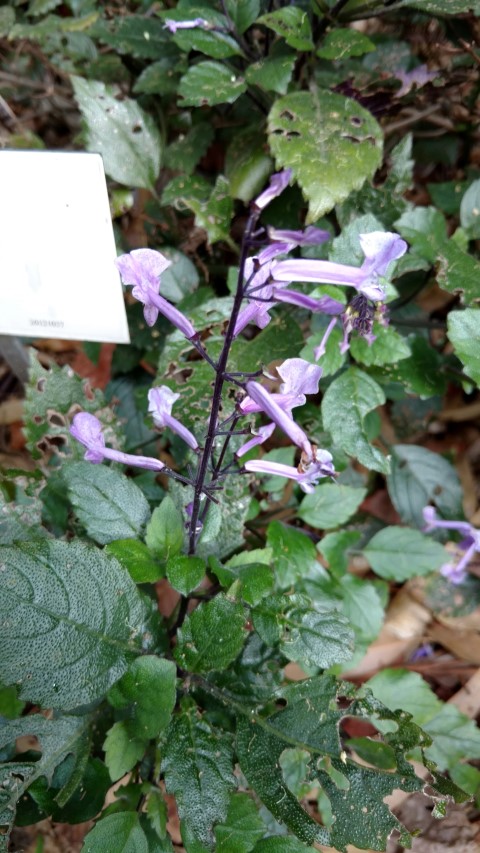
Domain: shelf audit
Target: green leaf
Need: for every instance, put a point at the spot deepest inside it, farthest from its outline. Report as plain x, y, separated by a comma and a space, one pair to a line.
394, 686
198, 767
126, 136
464, 333
7, 20
108, 504
310, 721
117, 833
185, 573
396, 553
341, 44
333, 359
71, 620
444, 7
50, 397
470, 211
388, 348
247, 166
330, 142
243, 826
425, 230
293, 553
209, 83
419, 477
330, 505
215, 42
184, 154
281, 339
58, 739
272, 73
212, 636
122, 750
243, 13
292, 24
148, 690
345, 406
164, 535
135, 557
215, 213
181, 278
318, 638
334, 547
159, 78
136, 35
254, 580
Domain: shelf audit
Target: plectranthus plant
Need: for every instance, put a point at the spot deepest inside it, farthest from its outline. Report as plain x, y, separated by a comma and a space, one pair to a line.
197, 565
202, 707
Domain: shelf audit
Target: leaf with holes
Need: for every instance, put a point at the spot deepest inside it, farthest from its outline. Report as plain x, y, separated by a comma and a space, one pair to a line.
125, 135
71, 622
330, 142
292, 24
108, 504
58, 738
310, 721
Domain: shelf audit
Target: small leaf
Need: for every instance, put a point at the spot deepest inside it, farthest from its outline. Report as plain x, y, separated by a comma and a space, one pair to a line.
184, 154
317, 638
215, 42
181, 278
255, 579
243, 13
470, 211
71, 619
148, 691
330, 142
388, 347
108, 504
330, 505
117, 833
209, 83
164, 535
185, 573
247, 165
419, 477
126, 136
346, 403
215, 213
292, 24
397, 553
243, 826
135, 557
212, 636
464, 333
136, 35
198, 768
122, 750
272, 73
293, 553
341, 44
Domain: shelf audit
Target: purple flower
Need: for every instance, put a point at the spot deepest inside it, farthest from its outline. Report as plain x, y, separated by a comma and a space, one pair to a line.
142, 269
455, 572
418, 77
282, 419
278, 182
87, 429
160, 402
307, 475
299, 378
257, 274
259, 437
380, 249
173, 26
310, 236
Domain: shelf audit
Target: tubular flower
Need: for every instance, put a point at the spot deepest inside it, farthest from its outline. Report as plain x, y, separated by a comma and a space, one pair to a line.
259, 437
306, 475
173, 26
142, 269
299, 378
160, 402
278, 182
87, 429
470, 544
310, 236
279, 416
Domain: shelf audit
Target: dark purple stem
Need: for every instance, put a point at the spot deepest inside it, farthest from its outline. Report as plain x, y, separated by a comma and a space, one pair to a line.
221, 367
